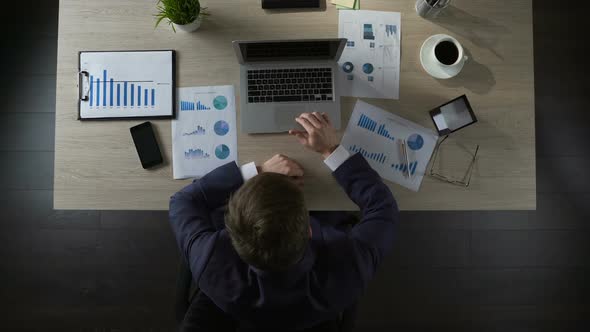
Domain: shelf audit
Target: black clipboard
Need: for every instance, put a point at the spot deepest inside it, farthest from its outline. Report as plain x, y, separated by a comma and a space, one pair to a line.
84, 97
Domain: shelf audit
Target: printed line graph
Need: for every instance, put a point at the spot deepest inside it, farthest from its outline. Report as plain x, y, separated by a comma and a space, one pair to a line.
199, 131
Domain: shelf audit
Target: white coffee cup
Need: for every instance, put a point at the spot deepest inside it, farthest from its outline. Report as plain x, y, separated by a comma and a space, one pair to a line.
461, 57
436, 68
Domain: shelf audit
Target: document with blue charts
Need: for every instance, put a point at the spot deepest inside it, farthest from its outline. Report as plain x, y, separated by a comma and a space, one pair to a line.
127, 84
378, 136
204, 134
370, 63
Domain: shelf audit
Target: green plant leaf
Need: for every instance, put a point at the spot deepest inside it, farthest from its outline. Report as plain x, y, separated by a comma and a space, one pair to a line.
159, 19
179, 11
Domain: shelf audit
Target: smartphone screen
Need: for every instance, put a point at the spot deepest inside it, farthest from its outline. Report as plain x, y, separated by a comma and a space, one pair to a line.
146, 145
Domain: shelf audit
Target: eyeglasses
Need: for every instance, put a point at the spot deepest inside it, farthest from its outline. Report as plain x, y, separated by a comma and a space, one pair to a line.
466, 178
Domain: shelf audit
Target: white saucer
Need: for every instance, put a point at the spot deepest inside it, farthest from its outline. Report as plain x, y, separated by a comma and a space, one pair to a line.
433, 67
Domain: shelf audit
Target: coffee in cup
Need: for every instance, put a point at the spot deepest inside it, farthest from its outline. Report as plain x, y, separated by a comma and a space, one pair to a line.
442, 56
446, 52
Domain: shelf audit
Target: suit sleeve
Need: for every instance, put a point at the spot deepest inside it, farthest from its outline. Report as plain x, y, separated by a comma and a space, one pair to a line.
190, 213
373, 235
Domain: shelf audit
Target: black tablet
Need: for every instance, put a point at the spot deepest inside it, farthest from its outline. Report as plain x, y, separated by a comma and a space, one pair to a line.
453, 116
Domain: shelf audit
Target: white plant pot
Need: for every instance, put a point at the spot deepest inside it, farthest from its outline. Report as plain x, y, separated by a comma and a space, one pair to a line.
191, 26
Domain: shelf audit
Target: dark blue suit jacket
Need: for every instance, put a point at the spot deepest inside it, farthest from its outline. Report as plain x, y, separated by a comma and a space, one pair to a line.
337, 265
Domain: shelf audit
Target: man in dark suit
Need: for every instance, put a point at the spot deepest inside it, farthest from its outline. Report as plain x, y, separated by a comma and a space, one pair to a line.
260, 260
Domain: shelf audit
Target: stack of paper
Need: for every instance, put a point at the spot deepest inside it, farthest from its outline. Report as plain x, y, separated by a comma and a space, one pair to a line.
347, 4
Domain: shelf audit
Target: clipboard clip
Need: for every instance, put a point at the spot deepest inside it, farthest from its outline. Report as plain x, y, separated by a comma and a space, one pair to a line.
83, 85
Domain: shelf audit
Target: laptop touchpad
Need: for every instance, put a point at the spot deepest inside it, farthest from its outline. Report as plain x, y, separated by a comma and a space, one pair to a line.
285, 116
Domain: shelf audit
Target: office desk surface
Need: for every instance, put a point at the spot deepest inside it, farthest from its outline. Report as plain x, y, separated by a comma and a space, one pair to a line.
96, 166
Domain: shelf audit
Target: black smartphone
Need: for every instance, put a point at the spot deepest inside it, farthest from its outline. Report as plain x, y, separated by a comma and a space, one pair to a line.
146, 144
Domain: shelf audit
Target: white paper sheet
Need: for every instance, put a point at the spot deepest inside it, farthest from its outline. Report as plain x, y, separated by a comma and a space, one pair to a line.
377, 135
127, 84
204, 134
370, 63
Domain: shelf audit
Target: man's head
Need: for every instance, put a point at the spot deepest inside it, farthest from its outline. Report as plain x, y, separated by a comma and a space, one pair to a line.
268, 222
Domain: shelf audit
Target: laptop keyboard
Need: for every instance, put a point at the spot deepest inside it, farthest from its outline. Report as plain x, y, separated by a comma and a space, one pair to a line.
290, 85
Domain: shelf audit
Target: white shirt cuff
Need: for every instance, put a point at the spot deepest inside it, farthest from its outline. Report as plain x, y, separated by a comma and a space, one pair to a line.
337, 158
248, 171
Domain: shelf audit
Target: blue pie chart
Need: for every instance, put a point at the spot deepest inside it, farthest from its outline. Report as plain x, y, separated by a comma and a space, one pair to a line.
222, 151
348, 67
368, 68
415, 142
220, 102
221, 128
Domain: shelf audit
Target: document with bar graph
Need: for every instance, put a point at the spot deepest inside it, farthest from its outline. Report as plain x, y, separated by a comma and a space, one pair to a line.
126, 84
378, 136
204, 134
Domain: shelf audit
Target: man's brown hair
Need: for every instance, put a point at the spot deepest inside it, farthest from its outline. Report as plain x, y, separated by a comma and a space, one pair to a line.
268, 222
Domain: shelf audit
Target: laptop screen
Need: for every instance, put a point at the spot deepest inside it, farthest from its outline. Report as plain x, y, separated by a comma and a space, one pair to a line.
266, 51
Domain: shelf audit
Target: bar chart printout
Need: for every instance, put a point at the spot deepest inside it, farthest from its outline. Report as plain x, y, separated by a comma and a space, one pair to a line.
378, 157
116, 94
193, 106
187, 106
370, 132
198, 131
405, 167
203, 135
372, 125
127, 84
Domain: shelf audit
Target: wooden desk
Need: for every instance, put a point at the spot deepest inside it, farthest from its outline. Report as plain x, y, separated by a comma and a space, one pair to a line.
96, 166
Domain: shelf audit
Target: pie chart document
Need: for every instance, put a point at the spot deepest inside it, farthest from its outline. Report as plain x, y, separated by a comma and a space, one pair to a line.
378, 135
204, 133
370, 63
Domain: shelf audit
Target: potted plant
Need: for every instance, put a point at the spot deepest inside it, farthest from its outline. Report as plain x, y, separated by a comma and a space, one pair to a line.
185, 15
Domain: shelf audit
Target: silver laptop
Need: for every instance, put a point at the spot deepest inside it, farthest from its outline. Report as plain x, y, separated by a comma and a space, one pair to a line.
281, 79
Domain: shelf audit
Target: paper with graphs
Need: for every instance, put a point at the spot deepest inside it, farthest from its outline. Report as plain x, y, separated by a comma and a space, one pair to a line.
370, 63
377, 135
204, 135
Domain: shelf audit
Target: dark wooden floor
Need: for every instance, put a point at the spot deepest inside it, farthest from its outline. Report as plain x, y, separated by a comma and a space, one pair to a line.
470, 271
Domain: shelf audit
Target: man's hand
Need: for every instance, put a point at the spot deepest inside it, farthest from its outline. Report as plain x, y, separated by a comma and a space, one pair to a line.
283, 165
319, 135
